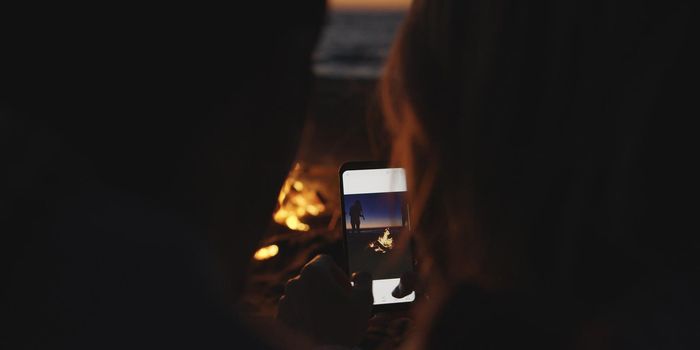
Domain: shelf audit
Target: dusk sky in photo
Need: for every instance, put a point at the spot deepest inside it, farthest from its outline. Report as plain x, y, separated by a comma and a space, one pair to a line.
381, 209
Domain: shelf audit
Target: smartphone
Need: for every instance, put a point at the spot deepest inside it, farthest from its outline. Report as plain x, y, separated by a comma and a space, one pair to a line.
376, 227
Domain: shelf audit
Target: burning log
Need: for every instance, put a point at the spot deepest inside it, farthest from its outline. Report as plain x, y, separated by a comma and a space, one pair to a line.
383, 243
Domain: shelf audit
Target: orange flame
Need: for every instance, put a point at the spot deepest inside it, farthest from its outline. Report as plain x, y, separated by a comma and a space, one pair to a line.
295, 201
384, 242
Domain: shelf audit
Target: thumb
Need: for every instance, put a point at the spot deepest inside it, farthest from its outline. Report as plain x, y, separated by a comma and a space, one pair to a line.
362, 287
408, 283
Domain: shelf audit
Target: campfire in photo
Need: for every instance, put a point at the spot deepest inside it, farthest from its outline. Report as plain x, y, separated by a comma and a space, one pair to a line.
295, 201
384, 243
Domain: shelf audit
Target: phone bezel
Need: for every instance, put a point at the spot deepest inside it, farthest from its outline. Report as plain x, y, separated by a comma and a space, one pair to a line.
364, 165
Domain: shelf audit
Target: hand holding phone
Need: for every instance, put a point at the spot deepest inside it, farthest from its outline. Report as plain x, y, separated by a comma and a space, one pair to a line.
322, 303
380, 242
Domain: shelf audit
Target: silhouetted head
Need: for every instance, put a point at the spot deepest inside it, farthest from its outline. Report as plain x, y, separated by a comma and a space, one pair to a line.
546, 143
547, 149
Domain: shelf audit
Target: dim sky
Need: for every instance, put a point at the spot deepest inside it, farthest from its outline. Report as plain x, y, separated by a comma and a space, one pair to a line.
369, 4
381, 209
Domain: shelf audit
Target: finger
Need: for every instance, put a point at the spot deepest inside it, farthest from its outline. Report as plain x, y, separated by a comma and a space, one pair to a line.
322, 269
340, 276
406, 286
362, 287
326, 262
362, 280
292, 286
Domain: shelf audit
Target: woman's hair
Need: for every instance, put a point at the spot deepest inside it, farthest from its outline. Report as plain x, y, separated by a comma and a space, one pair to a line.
540, 137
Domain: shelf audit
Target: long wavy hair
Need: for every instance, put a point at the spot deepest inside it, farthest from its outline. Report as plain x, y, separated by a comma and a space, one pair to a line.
537, 137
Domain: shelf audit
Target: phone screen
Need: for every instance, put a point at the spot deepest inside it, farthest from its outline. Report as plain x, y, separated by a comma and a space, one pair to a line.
375, 225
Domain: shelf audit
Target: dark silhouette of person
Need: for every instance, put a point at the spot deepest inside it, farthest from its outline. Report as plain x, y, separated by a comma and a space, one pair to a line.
551, 148
127, 159
515, 100
355, 215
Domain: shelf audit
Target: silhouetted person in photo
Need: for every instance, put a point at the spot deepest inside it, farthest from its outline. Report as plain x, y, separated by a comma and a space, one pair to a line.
143, 148
355, 214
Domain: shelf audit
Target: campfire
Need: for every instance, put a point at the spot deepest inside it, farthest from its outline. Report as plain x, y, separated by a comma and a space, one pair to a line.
296, 201
384, 242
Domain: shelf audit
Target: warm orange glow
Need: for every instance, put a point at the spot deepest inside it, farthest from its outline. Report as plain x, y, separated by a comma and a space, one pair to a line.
295, 201
369, 4
384, 243
298, 185
265, 253
293, 223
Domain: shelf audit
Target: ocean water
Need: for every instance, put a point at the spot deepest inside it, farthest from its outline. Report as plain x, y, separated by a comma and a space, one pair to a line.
356, 44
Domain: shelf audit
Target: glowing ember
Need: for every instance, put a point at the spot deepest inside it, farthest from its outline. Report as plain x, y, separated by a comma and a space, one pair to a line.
295, 201
384, 243
298, 185
265, 253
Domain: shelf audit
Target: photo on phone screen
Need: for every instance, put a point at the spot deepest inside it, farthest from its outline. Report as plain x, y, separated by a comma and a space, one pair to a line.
375, 226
